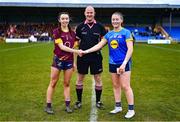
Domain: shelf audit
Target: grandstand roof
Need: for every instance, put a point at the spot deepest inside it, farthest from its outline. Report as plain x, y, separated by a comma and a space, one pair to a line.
95, 3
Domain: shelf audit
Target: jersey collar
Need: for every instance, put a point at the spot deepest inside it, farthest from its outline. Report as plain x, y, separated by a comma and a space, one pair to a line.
90, 26
118, 30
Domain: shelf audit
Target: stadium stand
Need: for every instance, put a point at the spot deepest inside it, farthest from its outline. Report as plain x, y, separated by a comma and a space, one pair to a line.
142, 34
40, 21
174, 32
43, 32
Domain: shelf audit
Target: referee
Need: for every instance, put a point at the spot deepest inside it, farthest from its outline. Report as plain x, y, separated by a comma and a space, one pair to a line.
89, 34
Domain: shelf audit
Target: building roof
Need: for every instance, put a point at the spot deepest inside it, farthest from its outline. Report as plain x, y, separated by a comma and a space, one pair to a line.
95, 3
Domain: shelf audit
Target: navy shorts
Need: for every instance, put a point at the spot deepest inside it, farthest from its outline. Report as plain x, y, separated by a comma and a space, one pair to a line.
113, 67
61, 65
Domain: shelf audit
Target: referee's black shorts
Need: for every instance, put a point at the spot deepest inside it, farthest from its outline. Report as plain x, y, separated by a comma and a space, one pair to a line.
95, 66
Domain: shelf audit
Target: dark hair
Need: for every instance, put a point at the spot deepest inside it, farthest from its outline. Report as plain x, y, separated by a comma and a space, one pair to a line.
120, 14
59, 15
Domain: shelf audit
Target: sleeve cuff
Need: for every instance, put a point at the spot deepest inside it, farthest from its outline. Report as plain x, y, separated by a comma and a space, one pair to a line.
130, 39
58, 41
76, 44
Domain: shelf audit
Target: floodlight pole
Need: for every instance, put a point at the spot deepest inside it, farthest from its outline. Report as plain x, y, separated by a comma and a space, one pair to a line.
170, 20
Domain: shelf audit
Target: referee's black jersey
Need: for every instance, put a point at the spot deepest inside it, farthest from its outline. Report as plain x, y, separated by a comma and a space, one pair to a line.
90, 36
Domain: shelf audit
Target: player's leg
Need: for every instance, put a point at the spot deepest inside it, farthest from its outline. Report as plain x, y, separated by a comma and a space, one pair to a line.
125, 84
98, 89
54, 77
116, 88
79, 90
82, 68
117, 93
66, 83
96, 69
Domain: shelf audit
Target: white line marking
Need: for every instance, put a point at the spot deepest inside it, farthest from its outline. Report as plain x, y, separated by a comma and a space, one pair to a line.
17, 48
93, 115
158, 47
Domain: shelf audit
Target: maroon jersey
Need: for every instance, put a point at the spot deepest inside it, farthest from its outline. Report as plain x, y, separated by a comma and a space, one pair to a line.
68, 39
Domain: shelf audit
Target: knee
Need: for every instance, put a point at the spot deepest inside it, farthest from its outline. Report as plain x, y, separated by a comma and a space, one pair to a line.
66, 84
97, 78
79, 82
80, 77
116, 86
53, 83
126, 87
98, 83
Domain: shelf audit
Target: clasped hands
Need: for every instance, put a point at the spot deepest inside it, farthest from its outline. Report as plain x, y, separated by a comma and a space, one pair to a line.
81, 52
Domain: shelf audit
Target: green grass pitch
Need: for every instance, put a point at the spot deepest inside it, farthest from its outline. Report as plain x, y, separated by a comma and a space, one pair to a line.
24, 77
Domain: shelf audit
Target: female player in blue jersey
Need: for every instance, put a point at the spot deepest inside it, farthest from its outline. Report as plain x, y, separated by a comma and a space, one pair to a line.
120, 45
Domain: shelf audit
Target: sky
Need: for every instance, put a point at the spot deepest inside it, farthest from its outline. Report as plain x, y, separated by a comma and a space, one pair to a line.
171, 2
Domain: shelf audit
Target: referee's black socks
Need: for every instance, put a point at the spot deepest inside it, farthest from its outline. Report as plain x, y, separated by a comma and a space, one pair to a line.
98, 90
49, 105
79, 90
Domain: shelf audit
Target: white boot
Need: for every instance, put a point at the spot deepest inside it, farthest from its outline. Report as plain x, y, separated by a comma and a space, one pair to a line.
130, 114
116, 110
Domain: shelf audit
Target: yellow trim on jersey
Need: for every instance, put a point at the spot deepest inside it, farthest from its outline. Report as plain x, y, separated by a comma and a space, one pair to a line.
103, 39
76, 44
58, 41
130, 39
118, 30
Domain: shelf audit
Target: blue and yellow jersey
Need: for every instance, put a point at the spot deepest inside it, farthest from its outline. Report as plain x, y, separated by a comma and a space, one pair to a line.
117, 45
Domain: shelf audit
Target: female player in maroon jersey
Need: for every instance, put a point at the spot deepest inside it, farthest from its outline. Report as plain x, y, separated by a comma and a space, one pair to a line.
64, 42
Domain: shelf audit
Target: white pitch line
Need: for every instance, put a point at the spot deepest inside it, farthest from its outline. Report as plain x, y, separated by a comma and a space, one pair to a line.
163, 48
17, 48
93, 115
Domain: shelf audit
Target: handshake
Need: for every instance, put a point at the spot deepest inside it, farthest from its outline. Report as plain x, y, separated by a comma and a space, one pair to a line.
81, 52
